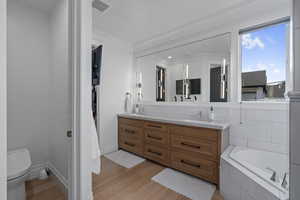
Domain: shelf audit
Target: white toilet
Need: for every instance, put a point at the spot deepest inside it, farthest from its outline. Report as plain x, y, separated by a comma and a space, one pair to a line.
18, 165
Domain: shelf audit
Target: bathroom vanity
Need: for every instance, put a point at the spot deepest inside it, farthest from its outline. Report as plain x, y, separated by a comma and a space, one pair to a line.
193, 147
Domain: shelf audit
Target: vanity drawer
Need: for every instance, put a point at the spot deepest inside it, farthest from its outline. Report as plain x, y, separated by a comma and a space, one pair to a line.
131, 145
156, 137
201, 133
130, 132
157, 154
156, 126
195, 145
131, 122
195, 166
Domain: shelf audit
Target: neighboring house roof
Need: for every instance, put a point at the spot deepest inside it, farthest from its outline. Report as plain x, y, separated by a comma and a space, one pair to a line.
253, 79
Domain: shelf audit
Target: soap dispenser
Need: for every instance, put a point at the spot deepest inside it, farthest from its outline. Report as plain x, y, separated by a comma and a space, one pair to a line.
211, 114
128, 103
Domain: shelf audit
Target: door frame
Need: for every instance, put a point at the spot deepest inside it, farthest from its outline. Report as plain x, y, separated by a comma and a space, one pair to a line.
80, 37
80, 34
3, 99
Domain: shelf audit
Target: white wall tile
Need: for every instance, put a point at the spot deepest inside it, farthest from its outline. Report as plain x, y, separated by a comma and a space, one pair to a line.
238, 141
278, 133
264, 126
295, 182
257, 131
267, 146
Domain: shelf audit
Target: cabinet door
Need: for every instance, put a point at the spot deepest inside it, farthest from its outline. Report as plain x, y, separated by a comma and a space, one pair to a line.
158, 154
130, 145
156, 137
195, 166
191, 144
131, 132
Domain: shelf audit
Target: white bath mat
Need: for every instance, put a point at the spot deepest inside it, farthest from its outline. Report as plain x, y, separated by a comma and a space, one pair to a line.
124, 158
186, 185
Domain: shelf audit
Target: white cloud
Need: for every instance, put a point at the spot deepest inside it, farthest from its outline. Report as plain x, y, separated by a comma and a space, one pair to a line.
258, 67
276, 70
261, 66
250, 43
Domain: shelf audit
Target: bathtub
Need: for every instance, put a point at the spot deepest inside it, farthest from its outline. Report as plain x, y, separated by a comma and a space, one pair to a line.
245, 174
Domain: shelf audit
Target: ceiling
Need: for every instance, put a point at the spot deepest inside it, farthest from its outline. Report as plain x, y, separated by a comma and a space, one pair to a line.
136, 21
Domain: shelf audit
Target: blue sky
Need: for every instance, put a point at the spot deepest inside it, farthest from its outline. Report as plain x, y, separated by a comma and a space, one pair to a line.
265, 49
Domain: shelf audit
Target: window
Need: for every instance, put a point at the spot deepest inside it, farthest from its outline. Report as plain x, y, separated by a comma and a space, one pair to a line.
264, 61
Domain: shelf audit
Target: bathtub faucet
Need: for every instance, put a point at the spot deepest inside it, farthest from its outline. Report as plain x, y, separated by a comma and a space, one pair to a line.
273, 177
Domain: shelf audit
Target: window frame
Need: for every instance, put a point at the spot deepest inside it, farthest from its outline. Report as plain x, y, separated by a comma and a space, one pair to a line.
288, 78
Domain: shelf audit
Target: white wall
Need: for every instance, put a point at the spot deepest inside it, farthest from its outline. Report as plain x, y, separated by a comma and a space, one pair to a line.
60, 113
39, 85
116, 80
28, 80
3, 144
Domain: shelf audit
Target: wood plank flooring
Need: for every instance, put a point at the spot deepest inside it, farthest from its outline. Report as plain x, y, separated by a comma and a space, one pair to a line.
44, 190
118, 183
115, 183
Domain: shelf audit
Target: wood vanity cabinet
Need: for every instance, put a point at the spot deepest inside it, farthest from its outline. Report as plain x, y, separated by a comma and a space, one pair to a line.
195, 151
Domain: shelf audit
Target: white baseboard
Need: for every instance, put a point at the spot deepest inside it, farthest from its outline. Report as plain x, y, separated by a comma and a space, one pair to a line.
35, 170
58, 175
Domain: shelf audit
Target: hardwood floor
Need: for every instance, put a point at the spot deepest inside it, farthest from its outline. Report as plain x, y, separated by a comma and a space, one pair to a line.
114, 183
118, 183
44, 190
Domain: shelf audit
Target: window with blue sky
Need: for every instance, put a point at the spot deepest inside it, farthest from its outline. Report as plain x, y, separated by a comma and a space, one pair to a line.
266, 49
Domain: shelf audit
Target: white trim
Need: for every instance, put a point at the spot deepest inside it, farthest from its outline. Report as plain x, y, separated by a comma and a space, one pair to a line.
58, 175
3, 96
294, 95
73, 172
81, 41
35, 170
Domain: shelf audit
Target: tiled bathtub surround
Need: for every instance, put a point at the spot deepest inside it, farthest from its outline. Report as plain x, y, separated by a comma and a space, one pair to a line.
239, 183
256, 125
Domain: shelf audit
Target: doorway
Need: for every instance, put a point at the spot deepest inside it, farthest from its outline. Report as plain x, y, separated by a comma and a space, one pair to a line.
40, 94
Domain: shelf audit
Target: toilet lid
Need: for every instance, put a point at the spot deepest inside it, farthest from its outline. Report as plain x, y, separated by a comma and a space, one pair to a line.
18, 163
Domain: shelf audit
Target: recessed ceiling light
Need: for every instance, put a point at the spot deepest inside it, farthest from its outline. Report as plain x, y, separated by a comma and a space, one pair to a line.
170, 57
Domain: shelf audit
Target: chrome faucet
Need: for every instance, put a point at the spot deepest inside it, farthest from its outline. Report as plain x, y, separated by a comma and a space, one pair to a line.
273, 177
284, 183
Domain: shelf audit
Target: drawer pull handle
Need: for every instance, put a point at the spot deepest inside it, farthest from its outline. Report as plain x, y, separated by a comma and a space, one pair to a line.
190, 145
154, 126
153, 137
191, 164
129, 144
129, 131
154, 152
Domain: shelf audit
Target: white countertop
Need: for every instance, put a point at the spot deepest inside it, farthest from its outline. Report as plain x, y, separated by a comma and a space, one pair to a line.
184, 122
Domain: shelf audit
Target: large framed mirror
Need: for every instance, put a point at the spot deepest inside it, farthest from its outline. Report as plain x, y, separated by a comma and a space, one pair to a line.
193, 72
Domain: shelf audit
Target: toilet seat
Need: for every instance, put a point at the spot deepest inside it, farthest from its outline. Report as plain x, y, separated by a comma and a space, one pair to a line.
18, 163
